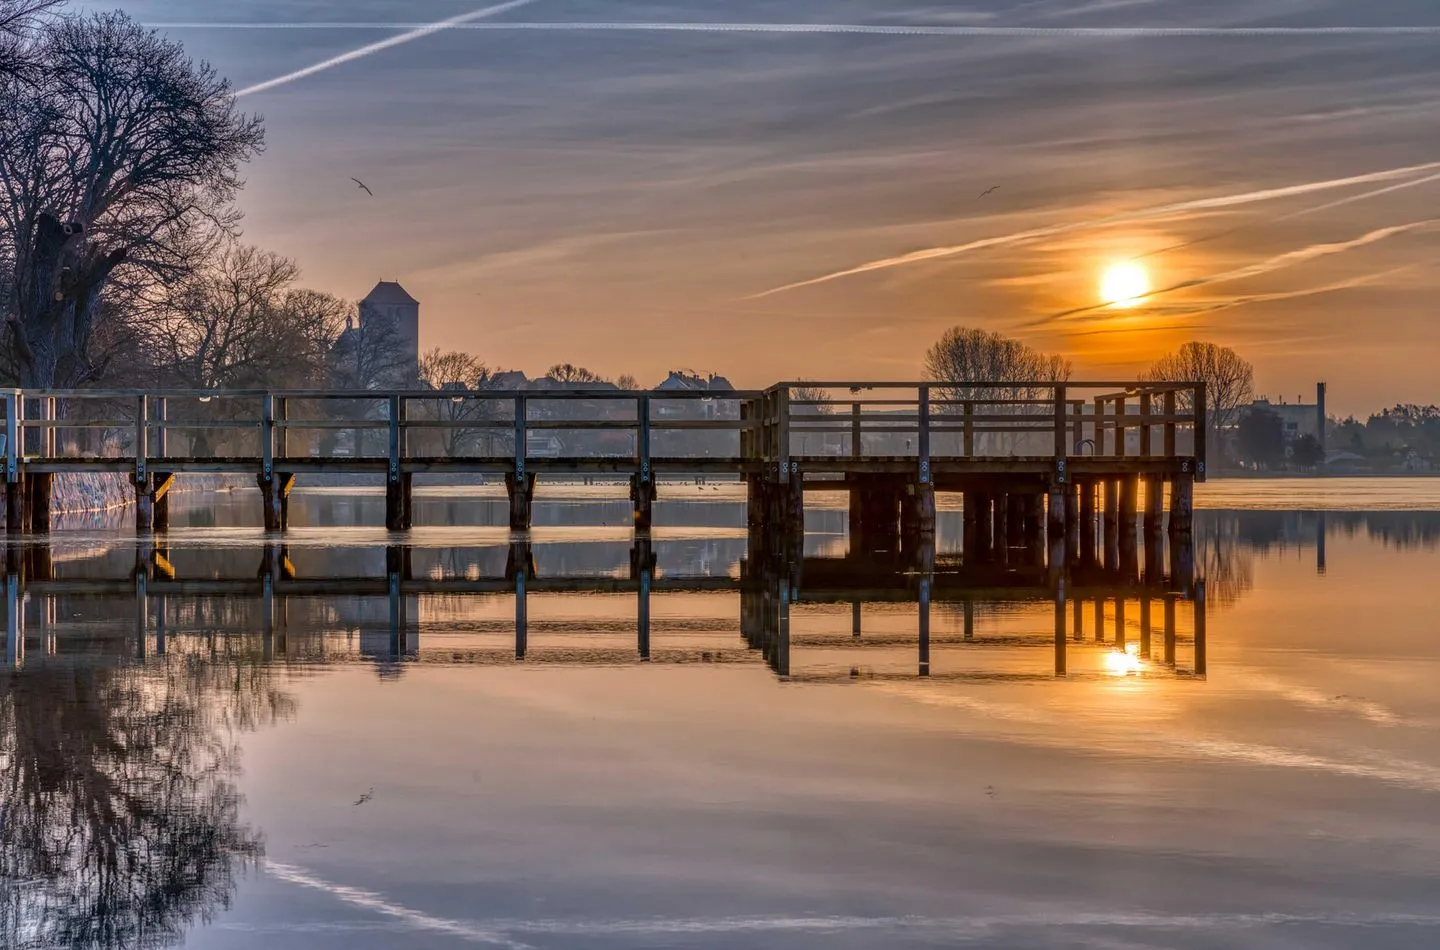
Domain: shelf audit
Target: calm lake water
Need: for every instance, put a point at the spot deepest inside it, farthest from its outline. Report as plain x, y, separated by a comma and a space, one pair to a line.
190, 756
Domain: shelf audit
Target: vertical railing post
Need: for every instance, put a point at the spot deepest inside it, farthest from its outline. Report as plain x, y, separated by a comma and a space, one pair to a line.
923, 438
782, 429
282, 413
1168, 406
14, 489
642, 439
395, 439
1062, 431
50, 421
1145, 400
142, 437
745, 418
1120, 447
856, 434
520, 438
1100, 430
12, 437
267, 437
1202, 430
1077, 434
968, 408
162, 434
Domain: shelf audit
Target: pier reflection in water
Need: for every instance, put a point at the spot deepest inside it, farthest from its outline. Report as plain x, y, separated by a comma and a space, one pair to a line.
478, 604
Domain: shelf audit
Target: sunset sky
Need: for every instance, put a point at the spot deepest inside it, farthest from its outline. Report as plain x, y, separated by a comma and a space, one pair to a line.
625, 198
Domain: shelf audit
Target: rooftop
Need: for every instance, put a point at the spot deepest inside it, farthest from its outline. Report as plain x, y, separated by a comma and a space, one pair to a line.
389, 292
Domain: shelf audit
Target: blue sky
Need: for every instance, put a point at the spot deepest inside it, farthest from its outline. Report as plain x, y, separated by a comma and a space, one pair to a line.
620, 197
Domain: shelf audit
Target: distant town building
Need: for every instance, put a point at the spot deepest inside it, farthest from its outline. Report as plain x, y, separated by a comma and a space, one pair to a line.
382, 349
1297, 419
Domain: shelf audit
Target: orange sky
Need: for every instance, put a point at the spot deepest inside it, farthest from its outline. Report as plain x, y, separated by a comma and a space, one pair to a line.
618, 198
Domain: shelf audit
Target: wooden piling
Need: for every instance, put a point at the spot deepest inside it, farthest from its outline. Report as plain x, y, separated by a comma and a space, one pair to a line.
521, 491
37, 496
1182, 504
1144, 626
1055, 512
1199, 604
270, 504
1060, 640
642, 501
145, 506
163, 484
1087, 522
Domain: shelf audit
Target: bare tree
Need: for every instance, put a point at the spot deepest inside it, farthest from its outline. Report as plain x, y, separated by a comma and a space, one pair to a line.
457, 371
983, 365
572, 374
18, 19
226, 326
966, 355
627, 381
113, 158
1228, 377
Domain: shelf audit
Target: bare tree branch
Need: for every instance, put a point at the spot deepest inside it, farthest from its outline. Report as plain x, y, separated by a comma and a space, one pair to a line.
114, 159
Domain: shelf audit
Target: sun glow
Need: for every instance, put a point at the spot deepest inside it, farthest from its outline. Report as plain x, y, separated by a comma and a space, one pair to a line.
1124, 284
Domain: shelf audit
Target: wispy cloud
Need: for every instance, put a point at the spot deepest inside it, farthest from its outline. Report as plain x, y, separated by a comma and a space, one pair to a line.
411, 34
866, 29
1198, 204
1269, 265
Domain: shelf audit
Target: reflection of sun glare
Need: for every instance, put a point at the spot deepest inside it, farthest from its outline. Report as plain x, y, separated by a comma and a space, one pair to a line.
1124, 284
1124, 662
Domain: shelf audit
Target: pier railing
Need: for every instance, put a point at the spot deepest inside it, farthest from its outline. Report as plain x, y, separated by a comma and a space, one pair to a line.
890, 442
514, 432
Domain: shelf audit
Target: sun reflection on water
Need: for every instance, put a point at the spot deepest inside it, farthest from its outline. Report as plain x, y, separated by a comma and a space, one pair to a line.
1126, 662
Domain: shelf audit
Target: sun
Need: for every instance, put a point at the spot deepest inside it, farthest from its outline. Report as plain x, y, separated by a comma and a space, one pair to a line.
1124, 284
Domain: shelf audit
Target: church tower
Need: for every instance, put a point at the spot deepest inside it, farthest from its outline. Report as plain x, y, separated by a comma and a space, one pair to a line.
390, 332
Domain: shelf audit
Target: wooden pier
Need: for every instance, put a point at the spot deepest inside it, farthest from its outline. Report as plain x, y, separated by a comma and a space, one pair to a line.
1033, 460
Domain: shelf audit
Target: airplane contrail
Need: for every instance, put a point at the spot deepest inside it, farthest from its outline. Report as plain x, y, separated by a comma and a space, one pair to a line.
1018, 237
1301, 213
414, 33
1103, 32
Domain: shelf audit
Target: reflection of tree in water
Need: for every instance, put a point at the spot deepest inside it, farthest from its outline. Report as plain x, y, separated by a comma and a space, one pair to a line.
1222, 556
119, 816
1402, 530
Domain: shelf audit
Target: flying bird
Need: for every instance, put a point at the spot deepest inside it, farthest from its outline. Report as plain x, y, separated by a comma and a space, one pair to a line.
364, 186
368, 795
987, 191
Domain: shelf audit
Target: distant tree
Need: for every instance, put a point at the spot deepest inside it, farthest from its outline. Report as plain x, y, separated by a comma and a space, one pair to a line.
1262, 438
626, 381
1406, 427
112, 158
570, 373
821, 401
456, 371
1229, 382
1305, 452
968, 355
980, 364
226, 327
812, 401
